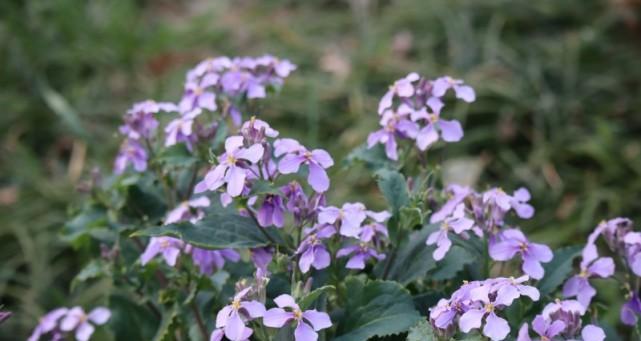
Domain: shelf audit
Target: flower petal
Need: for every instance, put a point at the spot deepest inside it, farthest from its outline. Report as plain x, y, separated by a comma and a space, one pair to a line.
318, 319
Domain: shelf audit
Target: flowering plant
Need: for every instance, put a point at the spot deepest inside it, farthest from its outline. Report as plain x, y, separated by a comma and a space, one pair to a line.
218, 227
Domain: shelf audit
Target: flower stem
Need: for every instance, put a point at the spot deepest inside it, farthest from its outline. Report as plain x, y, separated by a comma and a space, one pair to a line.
199, 320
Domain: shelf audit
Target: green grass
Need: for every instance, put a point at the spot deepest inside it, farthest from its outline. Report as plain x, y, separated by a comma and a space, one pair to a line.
558, 86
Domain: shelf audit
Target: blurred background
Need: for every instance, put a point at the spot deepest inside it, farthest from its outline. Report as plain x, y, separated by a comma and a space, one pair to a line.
558, 86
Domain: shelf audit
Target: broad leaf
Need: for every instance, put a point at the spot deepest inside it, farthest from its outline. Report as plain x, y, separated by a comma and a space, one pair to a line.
167, 324
413, 259
92, 270
130, 320
375, 308
307, 300
558, 269
219, 229
374, 158
176, 155
394, 188
422, 331
452, 264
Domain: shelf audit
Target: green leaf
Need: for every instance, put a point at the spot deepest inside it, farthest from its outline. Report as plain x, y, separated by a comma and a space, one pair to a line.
307, 300
558, 269
61, 107
374, 158
375, 308
454, 262
410, 217
422, 331
130, 320
91, 217
92, 270
264, 187
394, 188
176, 155
167, 323
413, 260
144, 202
220, 229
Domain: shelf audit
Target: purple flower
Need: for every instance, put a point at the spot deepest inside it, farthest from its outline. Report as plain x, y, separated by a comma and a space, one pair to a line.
140, 121
316, 160
312, 251
170, 249
181, 129
272, 211
4, 315
256, 130
402, 88
394, 125
546, 329
77, 320
513, 242
230, 170
520, 197
48, 323
303, 208
451, 131
210, 260
359, 254
348, 218
630, 310
462, 91
232, 318
457, 222
578, 285
456, 194
196, 96
632, 249
207, 66
308, 322
491, 295
261, 257
131, 152
188, 210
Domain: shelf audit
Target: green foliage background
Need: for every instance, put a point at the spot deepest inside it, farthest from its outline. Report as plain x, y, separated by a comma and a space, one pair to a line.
558, 86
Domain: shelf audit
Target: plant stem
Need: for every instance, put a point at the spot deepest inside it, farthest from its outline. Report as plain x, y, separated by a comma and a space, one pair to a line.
199, 320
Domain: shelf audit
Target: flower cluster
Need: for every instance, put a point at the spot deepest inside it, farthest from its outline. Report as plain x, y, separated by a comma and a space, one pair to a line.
411, 109
232, 320
468, 213
562, 319
480, 301
60, 322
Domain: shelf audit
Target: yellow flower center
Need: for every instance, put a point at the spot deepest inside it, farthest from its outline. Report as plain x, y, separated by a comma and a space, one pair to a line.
489, 307
198, 91
231, 159
235, 304
298, 314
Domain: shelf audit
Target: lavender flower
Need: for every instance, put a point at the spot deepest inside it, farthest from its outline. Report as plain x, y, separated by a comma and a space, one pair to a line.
261, 257
457, 222
272, 211
456, 194
77, 320
256, 130
312, 251
631, 309
196, 96
308, 322
348, 218
169, 247
230, 169
632, 251
395, 124
359, 254
562, 319
513, 242
402, 88
295, 155
4, 315
462, 91
188, 210
181, 129
546, 329
450, 130
140, 121
131, 152
210, 260
48, 323
578, 285
232, 318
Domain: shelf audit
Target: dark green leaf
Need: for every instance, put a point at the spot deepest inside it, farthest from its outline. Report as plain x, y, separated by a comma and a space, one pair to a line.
142, 201
375, 308
89, 218
558, 269
394, 188
422, 331
130, 320
166, 326
307, 300
410, 217
454, 261
413, 260
374, 158
219, 229
176, 155
264, 187
93, 269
